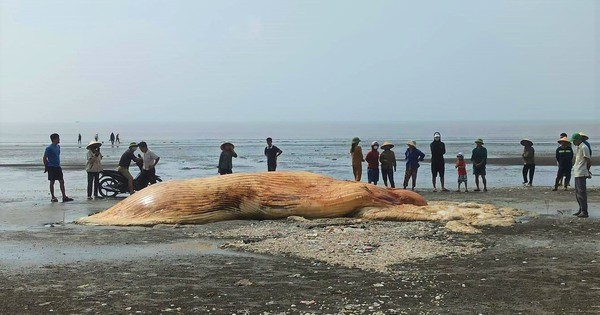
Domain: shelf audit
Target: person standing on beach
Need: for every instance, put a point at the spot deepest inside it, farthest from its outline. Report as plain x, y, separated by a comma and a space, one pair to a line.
412, 156
51, 161
372, 159
583, 163
272, 152
461, 167
117, 140
226, 158
479, 159
93, 167
388, 163
125, 162
79, 139
112, 139
357, 158
149, 168
96, 137
438, 149
564, 159
528, 161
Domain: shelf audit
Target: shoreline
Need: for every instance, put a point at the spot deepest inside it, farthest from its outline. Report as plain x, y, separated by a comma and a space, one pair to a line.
501, 161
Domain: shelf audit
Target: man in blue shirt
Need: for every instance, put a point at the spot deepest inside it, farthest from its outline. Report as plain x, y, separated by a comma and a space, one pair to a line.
52, 167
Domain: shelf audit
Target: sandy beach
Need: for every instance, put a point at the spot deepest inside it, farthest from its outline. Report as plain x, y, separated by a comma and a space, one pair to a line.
547, 263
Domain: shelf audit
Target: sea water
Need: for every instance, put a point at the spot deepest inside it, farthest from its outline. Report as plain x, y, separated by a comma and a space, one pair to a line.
191, 150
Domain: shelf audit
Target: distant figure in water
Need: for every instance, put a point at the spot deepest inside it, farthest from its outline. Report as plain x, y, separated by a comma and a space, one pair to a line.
96, 137
272, 152
412, 156
357, 158
112, 138
372, 159
528, 161
117, 140
479, 159
564, 159
226, 158
79, 139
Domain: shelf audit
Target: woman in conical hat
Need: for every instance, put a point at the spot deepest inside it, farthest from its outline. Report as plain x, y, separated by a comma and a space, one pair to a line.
93, 167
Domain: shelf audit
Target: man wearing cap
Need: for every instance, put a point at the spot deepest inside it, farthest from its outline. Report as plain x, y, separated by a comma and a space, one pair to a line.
438, 149
125, 162
479, 159
150, 160
581, 172
226, 158
564, 159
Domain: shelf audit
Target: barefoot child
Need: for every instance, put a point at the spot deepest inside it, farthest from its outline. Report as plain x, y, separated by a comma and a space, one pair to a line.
461, 166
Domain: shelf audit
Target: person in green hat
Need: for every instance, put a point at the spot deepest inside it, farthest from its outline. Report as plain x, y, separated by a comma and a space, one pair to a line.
125, 162
479, 159
581, 172
357, 158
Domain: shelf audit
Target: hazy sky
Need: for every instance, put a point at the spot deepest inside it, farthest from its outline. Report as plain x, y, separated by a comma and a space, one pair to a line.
279, 60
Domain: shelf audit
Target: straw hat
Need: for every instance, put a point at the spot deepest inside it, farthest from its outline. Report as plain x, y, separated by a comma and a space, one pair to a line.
526, 142
584, 136
411, 143
93, 143
133, 144
387, 144
564, 139
227, 143
479, 141
355, 140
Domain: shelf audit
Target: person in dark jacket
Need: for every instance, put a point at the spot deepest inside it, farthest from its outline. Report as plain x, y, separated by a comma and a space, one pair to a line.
564, 159
479, 159
528, 161
372, 159
387, 158
272, 152
225, 160
412, 156
438, 149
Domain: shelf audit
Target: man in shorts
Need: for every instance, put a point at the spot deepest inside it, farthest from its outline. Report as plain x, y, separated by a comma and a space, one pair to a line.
438, 149
125, 162
479, 159
51, 161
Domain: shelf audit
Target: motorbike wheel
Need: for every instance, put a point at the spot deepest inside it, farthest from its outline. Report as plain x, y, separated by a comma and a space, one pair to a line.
108, 187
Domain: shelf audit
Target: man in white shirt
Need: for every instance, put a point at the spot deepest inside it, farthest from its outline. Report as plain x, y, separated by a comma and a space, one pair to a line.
148, 169
581, 172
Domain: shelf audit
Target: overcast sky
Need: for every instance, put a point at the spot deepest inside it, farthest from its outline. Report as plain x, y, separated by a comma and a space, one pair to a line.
278, 60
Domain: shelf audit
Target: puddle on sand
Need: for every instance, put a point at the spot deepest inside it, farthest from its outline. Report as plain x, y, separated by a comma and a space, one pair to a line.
27, 254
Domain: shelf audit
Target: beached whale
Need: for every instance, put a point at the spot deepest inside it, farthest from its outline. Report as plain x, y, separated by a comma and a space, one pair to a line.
269, 195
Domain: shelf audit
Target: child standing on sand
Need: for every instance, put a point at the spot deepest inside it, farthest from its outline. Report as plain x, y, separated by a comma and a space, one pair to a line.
461, 166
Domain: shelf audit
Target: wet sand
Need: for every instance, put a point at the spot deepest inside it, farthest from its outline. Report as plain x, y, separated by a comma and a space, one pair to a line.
549, 264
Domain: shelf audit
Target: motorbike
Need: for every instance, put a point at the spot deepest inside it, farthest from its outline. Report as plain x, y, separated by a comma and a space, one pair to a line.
113, 183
